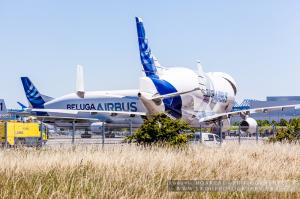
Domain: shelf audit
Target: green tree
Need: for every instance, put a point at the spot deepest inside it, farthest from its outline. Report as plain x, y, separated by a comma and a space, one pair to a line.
160, 129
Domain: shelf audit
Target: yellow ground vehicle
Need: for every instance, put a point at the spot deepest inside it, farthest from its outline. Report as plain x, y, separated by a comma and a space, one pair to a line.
22, 133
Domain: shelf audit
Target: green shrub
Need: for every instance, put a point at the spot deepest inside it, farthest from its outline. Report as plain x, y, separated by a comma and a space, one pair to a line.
283, 134
160, 129
290, 132
263, 123
283, 122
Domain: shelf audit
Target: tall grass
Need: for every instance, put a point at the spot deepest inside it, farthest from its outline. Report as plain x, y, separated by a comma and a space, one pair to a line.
135, 172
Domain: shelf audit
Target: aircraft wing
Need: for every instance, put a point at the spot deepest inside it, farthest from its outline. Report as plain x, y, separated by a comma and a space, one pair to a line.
52, 119
92, 112
222, 116
170, 95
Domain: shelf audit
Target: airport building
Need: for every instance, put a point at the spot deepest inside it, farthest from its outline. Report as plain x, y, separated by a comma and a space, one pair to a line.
272, 101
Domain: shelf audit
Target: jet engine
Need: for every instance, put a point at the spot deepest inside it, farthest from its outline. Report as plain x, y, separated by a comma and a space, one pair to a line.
248, 125
96, 127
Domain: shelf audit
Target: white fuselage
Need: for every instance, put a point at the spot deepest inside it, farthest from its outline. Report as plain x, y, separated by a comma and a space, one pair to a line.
118, 100
217, 96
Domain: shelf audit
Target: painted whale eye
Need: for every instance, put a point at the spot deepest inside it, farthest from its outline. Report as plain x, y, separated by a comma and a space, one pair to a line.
229, 79
232, 85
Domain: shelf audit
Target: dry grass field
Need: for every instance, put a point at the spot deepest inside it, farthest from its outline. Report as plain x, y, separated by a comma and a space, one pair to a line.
136, 172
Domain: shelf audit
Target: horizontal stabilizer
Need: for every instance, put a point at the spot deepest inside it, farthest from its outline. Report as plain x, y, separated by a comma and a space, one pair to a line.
22, 105
46, 98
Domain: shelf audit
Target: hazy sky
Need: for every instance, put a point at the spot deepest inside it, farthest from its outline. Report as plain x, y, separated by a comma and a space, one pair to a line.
257, 42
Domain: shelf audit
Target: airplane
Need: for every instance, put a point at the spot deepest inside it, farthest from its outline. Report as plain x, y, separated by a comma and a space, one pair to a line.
199, 98
10, 114
119, 108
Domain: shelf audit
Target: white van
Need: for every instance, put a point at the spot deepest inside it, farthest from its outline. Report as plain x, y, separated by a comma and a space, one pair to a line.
206, 138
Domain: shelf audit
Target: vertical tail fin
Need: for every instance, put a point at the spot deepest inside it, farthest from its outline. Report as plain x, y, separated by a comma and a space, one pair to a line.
148, 60
3, 109
80, 82
32, 94
172, 105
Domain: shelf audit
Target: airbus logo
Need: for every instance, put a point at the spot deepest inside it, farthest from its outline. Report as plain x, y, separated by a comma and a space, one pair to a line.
216, 96
116, 106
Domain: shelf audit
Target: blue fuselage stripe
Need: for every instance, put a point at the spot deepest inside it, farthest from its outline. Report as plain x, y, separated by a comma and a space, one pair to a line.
172, 105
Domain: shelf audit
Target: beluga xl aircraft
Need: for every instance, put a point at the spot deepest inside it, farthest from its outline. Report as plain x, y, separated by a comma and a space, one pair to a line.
197, 97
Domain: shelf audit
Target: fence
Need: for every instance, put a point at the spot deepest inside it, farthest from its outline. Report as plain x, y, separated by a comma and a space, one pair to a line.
118, 137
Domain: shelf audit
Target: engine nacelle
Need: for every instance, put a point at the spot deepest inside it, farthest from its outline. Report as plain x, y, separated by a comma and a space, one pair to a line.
96, 127
249, 125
